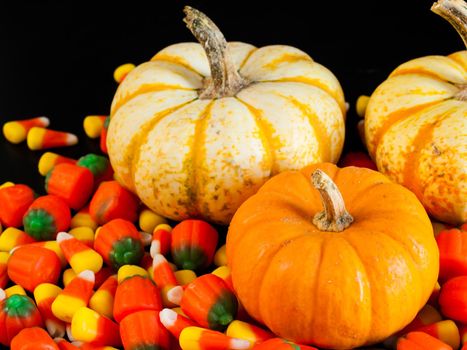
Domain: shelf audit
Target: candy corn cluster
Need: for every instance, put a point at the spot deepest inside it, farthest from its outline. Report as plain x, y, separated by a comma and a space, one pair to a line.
87, 266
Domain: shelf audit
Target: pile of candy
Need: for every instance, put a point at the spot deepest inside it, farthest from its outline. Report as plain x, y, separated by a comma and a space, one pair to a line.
87, 266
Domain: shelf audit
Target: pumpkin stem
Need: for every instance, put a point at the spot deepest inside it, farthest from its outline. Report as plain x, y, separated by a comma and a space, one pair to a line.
335, 217
225, 80
455, 12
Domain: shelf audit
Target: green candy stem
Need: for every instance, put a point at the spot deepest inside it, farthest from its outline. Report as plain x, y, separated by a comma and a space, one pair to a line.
95, 163
40, 225
189, 257
223, 311
126, 251
18, 306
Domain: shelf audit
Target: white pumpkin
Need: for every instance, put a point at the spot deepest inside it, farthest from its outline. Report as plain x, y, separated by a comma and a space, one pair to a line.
194, 144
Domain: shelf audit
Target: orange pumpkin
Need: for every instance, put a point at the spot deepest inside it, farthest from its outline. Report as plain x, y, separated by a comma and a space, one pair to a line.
416, 121
340, 289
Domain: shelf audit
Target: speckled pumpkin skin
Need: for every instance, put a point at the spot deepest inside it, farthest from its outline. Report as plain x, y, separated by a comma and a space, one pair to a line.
187, 157
416, 131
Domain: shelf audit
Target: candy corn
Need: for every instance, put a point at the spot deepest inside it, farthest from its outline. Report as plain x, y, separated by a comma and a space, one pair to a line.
185, 277
12, 237
49, 159
68, 276
148, 220
83, 218
244, 330
73, 183
165, 279
93, 125
74, 296
197, 338
420, 340
360, 105
121, 71
144, 330
83, 234
220, 258
44, 295
40, 138
89, 326
17, 131
161, 240
78, 254
445, 330
15, 289
14, 201
175, 322
102, 300
127, 271
4, 256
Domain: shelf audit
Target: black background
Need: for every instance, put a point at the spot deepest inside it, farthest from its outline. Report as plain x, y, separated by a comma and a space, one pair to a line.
57, 58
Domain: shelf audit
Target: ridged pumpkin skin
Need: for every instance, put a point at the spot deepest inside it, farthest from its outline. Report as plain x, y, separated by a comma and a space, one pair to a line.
336, 290
416, 131
190, 157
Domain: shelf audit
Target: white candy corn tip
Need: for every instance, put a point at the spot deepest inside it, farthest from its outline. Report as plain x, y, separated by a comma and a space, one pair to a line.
158, 260
69, 334
45, 121
146, 238
155, 248
87, 275
239, 344
175, 294
168, 317
63, 236
71, 139
55, 329
2, 294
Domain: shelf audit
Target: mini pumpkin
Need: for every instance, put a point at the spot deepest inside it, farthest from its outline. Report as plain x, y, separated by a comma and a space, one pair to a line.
416, 122
338, 278
199, 128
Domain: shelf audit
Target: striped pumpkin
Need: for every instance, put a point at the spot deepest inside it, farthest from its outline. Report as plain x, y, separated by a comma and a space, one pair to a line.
416, 128
194, 144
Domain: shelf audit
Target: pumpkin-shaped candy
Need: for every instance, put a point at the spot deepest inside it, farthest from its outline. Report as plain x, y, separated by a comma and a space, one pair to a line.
416, 125
199, 128
338, 278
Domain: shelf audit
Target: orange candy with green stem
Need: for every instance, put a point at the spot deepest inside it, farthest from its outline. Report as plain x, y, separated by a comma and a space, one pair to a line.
79, 255
452, 245
119, 243
136, 293
71, 182
144, 330
90, 327
14, 201
16, 313
46, 216
210, 302
44, 295
30, 265
193, 244
33, 338
453, 299
112, 201
98, 165
75, 295
421, 341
